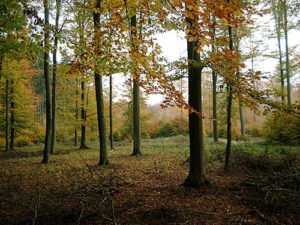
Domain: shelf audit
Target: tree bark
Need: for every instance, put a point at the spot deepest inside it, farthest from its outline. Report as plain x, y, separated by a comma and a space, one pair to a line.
287, 59
6, 115
277, 17
53, 136
229, 107
12, 116
46, 156
136, 95
214, 89
196, 176
99, 95
83, 118
242, 121
111, 135
215, 119
76, 115
1, 62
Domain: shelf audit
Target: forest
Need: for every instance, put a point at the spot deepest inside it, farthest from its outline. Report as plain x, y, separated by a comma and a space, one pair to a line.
149, 112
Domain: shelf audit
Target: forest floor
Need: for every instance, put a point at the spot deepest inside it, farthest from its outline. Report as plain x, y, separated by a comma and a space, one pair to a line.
262, 186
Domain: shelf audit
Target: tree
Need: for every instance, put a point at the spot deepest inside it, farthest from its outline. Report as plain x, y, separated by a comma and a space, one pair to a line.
46, 155
196, 176
7, 115
56, 37
229, 104
111, 136
12, 115
287, 59
214, 90
277, 14
83, 117
99, 90
136, 93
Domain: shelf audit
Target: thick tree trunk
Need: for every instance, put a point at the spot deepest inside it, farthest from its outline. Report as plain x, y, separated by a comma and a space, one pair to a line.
12, 116
287, 59
136, 96
101, 120
53, 135
83, 118
215, 119
99, 95
111, 135
196, 176
229, 107
7, 115
46, 155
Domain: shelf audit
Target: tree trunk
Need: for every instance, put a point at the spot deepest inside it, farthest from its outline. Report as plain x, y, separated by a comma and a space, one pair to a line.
12, 116
53, 136
196, 176
215, 121
76, 115
242, 122
1, 62
229, 107
136, 95
214, 89
111, 135
287, 60
277, 17
83, 118
99, 95
6, 116
46, 155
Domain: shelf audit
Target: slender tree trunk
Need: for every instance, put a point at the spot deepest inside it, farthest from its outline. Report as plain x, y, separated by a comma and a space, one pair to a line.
215, 119
181, 92
241, 111
83, 118
214, 90
287, 60
229, 107
254, 86
111, 135
46, 155
99, 95
196, 176
12, 116
136, 95
76, 115
7, 116
53, 136
278, 34
1, 62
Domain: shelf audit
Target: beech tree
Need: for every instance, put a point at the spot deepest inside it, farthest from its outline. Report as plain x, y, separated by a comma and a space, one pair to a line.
99, 89
46, 155
196, 174
136, 92
56, 38
111, 135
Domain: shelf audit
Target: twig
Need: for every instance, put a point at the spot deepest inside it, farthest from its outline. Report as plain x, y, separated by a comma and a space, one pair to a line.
81, 212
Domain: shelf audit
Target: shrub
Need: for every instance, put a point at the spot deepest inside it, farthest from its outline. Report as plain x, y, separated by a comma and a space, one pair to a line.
254, 130
21, 141
165, 130
282, 128
181, 125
